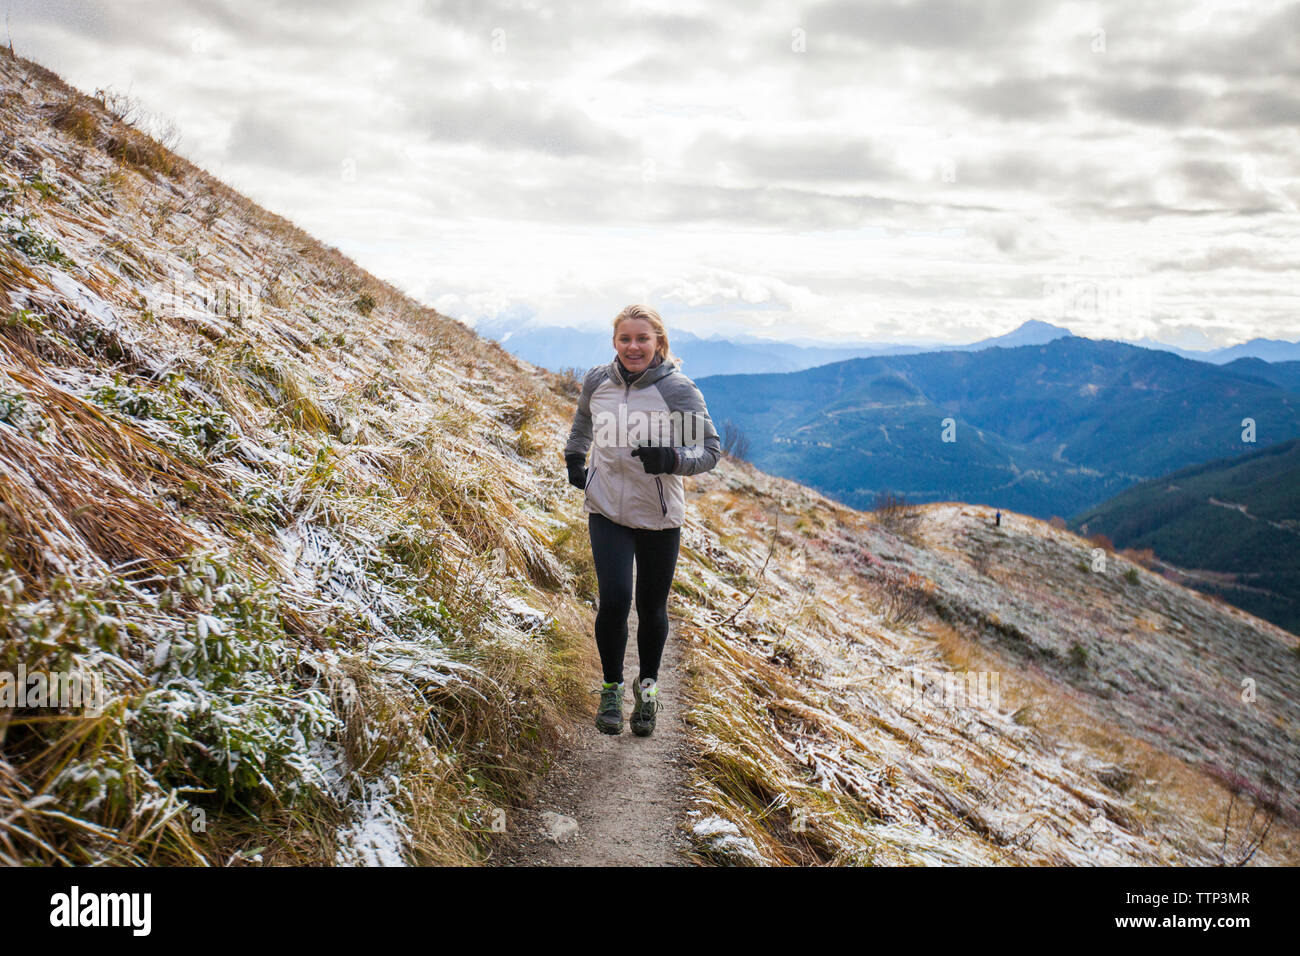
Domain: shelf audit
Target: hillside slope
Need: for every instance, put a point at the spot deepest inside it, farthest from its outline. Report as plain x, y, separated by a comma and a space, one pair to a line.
303, 528
316, 541
1284, 374
840, 719
1230, 527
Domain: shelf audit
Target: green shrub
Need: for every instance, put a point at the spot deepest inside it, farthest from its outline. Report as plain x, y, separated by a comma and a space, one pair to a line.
227, 711
19, 234
196, 431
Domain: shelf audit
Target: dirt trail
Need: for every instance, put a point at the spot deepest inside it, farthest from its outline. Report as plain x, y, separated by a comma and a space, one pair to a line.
627, 793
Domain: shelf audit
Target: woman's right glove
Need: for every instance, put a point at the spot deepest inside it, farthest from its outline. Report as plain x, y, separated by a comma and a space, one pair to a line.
577, 470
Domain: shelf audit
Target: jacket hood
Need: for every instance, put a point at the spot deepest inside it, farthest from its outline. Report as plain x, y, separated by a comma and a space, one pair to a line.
648, 377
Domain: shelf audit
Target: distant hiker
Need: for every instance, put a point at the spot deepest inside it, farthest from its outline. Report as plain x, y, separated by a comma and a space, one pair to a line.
997, 519
651, 428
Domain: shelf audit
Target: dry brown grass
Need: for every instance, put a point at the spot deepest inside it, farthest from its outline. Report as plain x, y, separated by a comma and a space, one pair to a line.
904, 596
55, 509
894, 512
36, 830
1161, 787
73, 118
449, 482
1143, 556
75, 500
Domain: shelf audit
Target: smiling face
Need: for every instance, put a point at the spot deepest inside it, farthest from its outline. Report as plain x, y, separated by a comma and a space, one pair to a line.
635, 342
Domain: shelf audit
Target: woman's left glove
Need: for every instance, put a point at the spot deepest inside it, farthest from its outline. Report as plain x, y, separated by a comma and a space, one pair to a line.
577, 473
656, 460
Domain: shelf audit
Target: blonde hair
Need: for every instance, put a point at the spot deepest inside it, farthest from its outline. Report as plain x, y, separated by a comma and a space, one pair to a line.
661, 333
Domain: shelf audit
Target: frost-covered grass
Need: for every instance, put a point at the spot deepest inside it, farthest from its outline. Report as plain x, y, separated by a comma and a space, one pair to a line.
280, 509
356, 618
808, 750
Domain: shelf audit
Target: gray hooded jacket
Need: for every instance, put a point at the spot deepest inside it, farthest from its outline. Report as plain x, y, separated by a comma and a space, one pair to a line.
660, 407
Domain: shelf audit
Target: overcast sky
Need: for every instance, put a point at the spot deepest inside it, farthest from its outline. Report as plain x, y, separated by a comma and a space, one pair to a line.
935, 170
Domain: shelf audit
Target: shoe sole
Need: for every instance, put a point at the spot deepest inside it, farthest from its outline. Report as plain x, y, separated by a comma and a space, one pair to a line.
610, 728
642, 728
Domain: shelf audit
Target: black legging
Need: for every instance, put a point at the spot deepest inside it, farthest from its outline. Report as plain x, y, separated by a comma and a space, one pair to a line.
613, 546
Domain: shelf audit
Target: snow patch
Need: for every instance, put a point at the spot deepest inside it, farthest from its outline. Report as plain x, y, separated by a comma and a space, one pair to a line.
377, 834
721, 836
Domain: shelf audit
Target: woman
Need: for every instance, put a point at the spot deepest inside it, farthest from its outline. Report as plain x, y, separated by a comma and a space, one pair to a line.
649, 427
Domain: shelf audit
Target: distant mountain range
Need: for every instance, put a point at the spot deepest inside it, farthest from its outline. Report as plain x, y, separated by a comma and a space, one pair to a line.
1233, 523
559, 347
1270, 350
1285, 374
1047, 429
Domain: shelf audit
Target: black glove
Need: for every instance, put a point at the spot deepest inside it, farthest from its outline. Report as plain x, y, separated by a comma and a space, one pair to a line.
655, 459
577, 470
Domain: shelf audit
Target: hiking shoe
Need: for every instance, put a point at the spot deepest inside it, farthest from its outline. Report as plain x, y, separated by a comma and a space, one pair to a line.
646, 693
609, 719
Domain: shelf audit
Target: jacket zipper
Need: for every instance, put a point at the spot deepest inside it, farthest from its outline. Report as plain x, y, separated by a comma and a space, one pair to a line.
590, 475
623, 484
627, 387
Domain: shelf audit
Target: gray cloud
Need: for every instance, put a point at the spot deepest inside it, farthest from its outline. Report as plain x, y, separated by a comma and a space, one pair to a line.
518, 120
1049, 172
1170, 105
1017, 97
1259, 109
261, 137
966, 25
1184, 133
104, 23
1229, 257
793, 157
1163, 104
1267, 44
